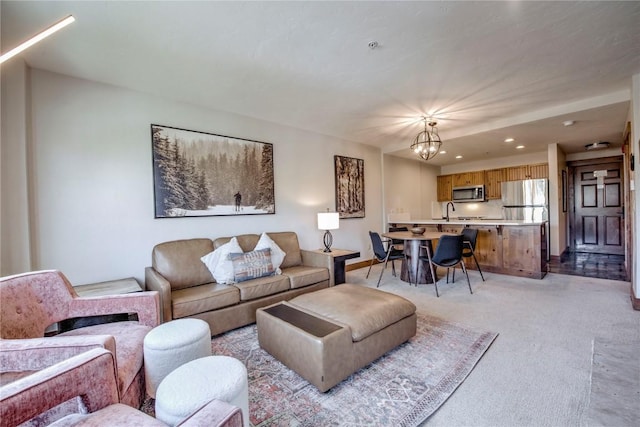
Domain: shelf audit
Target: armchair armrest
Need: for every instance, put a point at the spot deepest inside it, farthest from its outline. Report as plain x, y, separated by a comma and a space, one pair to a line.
34, 354
215, 414
319, 259
154, 281
145, 304
25, 398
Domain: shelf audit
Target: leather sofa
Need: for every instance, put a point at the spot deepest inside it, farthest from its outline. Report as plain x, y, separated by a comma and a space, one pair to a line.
187, 288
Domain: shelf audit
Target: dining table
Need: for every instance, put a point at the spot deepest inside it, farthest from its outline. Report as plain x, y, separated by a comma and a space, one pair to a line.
414, 246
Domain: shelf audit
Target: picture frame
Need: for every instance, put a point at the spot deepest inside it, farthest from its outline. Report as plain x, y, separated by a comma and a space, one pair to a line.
349, 183
199, 174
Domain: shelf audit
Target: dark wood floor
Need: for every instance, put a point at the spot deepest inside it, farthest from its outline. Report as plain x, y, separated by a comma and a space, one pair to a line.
590, 265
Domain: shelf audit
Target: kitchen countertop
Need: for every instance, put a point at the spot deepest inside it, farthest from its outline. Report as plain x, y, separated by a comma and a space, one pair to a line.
483, 221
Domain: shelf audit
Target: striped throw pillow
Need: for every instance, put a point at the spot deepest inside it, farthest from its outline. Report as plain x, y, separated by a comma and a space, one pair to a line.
251, 265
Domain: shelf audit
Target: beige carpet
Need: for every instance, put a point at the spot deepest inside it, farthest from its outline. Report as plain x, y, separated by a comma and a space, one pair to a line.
538, 371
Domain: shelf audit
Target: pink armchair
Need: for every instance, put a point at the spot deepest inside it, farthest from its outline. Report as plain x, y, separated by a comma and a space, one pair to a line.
91, 377
33, 301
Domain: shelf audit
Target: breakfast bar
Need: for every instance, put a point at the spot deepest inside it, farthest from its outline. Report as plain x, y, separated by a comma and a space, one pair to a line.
513, 247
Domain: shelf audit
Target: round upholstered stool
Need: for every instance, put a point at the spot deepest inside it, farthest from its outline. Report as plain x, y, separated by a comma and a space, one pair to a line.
171, 345
192, 385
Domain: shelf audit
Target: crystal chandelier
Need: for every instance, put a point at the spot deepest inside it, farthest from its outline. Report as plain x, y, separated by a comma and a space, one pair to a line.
427, 143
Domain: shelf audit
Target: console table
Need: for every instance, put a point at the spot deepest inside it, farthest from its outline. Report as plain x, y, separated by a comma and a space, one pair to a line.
339, 257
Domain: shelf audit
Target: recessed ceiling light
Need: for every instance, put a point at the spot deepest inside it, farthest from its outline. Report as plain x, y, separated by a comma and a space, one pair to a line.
568, 123
443, 152
520, 147
458, 157
509, 140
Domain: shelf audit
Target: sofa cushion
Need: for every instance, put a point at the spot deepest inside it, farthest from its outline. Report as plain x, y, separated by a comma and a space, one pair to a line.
277, 254
288, 242
263, 286
219, 263
129, 337
246, 241
179, 262
251, 265
301, 276
200, 299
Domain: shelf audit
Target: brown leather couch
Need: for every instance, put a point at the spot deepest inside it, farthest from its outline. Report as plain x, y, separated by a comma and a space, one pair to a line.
188, 290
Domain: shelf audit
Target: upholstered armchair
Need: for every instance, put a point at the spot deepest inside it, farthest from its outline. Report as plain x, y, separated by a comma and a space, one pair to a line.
31, 302
91, 377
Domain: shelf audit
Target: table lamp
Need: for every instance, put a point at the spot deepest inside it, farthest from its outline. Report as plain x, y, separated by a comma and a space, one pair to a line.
328, 221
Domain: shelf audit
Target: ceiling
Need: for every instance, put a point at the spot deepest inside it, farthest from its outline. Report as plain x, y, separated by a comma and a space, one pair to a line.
484, 71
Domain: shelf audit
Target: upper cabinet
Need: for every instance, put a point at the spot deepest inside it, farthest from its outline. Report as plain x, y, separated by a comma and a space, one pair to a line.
444, 188
491, 179
468, 178
493, 183
517, 173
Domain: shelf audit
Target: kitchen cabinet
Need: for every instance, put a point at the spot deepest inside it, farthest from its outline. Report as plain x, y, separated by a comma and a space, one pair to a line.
468, 178
524, 250
493, 183
444, 188
517, 173
487, 251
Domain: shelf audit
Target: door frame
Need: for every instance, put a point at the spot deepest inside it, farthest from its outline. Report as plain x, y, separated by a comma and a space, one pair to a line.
571, 167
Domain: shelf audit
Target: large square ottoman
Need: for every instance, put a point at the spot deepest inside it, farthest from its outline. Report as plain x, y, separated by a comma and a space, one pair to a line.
327, 335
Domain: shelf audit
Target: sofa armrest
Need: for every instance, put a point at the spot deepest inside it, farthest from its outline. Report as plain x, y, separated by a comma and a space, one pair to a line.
145, 304
154, 281
27, 397
318, 259
34, 354
215, 414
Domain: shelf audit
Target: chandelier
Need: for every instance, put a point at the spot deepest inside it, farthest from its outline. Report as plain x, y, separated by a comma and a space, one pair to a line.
427, 143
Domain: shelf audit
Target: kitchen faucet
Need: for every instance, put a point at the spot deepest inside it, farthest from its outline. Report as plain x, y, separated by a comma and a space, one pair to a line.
453, 208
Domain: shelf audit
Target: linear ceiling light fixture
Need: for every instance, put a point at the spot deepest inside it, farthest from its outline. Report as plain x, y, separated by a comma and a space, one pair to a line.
427, 143
35, 39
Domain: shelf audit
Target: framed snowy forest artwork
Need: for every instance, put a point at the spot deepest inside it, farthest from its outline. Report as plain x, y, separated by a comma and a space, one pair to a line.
204, 174
349, 186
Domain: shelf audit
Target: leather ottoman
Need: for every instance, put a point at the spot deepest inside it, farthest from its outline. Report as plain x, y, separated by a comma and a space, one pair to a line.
327, 335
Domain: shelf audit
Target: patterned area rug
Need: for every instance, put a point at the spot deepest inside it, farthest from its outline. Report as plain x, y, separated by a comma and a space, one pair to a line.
402, 388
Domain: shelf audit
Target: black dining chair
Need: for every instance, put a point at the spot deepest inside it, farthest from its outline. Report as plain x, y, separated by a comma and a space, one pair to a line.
398, 243
383, 255
469, 249
448, 255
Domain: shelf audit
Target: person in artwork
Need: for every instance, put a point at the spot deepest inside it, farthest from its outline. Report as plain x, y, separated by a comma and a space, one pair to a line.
238, 198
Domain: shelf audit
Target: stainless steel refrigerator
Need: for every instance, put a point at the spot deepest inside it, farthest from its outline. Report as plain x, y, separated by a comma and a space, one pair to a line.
526, 200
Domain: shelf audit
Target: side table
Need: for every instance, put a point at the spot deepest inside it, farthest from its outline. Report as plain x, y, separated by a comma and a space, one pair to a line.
111, 287
339, 257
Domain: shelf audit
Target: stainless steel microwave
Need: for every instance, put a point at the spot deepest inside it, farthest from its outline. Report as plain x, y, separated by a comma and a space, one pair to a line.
473, 193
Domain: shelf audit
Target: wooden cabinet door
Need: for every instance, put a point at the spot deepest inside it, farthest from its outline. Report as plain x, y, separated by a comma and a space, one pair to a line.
493, 183
444, 188
538, 171
488, 248
515, 173
468, 178
522, 248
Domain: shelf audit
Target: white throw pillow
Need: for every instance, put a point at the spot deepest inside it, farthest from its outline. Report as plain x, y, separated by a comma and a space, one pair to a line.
219, 264
277, 254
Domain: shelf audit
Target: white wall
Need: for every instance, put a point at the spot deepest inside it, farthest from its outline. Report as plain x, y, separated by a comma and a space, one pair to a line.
93, 209
558, 240
410, 186
635, 176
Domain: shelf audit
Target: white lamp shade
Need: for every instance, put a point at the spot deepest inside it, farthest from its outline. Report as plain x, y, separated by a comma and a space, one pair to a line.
328, 221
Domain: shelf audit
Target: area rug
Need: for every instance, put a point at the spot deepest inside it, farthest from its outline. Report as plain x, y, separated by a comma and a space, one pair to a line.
402, 388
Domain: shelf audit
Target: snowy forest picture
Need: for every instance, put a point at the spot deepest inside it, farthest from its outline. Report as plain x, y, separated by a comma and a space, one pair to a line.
349, 187
203, 174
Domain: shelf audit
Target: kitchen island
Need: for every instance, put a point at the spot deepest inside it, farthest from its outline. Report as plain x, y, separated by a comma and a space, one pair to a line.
513, 247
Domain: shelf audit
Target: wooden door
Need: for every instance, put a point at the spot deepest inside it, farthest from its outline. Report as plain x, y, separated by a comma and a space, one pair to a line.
599, 212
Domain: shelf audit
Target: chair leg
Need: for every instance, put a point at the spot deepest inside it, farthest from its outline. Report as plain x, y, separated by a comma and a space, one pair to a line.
464, 269
478, 265
393, 267
370, 265
386, 260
